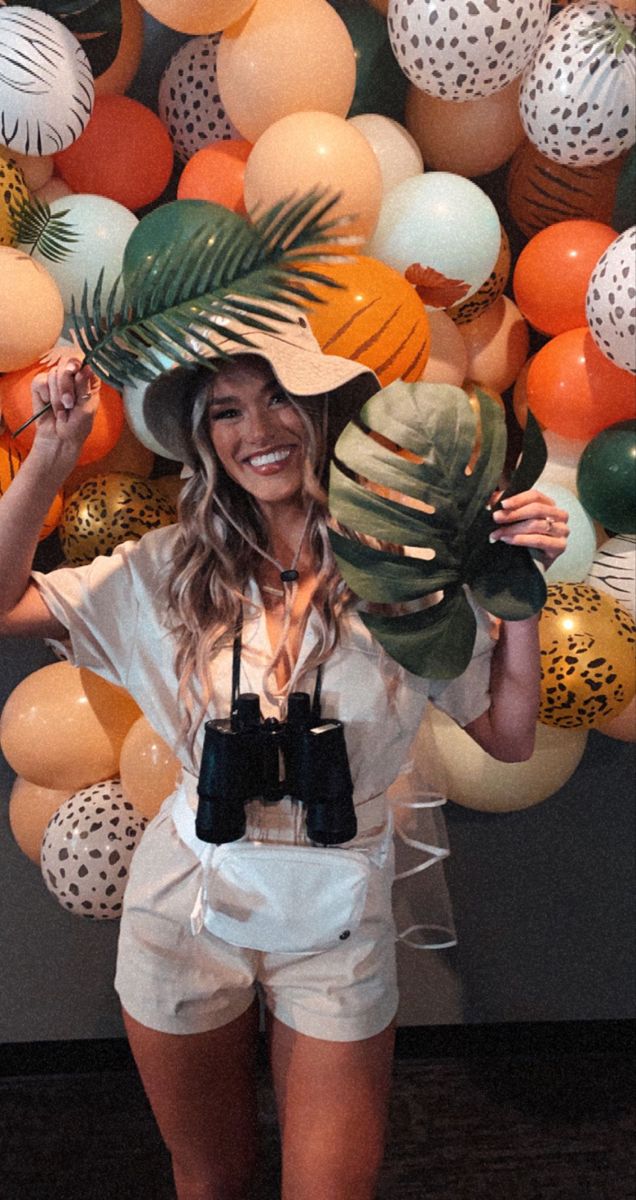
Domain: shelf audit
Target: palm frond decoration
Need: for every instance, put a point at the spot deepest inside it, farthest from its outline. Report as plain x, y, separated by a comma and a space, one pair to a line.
178, 295
409, 497
36, 226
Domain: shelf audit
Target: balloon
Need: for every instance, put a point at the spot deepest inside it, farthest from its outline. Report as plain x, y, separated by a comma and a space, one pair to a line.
30, 810
376, 319
216, 173
489, 291
149, 770
54, 189
584, 115
107, 510
439, 224
197, 16
448, 356
466, 51
380, 84
573, 565
13, 193
64, 727
177, 220
575, 390
606, 477
87, 849
563, 460
587, 657
189, 103
122, 66
624, 211
469, 137
170, 487
622, 727
102, 228
308, 150
133, 397
613, 570
461, 770
35, 171
396, 150
553, 272
497, 344
381, 5
128, 455
31, 309
46, 84
15, 396
125, 154
541, 192
10, 463
610, 303
285, 58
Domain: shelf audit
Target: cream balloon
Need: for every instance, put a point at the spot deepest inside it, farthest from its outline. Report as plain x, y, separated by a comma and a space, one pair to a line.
470, 137
31, 309
30, 810
622, 727
148, 769
197, 16
396, 150
458, 768
497, 343
448, 358
285, 58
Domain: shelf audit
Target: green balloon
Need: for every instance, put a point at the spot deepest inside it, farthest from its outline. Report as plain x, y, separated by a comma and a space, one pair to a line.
172, 225
606, 478
380, 84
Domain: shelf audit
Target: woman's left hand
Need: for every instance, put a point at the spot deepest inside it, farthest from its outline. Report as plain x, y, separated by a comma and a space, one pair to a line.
532, 520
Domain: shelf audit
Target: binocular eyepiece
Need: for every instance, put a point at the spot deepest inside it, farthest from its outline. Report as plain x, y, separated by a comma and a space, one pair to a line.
246, 758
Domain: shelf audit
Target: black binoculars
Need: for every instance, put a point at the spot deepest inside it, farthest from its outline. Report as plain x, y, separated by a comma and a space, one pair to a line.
246, 758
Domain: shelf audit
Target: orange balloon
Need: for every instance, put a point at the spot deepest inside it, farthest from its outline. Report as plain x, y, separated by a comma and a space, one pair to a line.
127, 456
448, 357
574, 390
148, 769
30, 810
497, 344
15, 402
553, 271
10, 462
119, 75
125, 153
541, 192
64, 727
283, 58
467, 137
197, 16
308, 150
489, 291
216, 173
378, 319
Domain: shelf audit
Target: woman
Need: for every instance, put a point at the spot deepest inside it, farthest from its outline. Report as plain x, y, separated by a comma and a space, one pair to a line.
160, 617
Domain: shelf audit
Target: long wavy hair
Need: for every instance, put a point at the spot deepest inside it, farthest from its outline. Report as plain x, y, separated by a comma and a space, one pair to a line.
214, 561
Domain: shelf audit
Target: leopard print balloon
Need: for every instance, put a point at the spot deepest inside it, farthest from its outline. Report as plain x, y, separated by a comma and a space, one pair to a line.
107, 510
489, 291
13, 193
588, 671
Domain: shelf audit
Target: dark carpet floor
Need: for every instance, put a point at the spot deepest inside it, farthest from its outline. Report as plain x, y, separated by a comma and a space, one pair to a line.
471, 1128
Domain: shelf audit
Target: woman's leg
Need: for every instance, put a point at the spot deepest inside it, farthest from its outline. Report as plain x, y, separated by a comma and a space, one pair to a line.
332, 1101
202, 1090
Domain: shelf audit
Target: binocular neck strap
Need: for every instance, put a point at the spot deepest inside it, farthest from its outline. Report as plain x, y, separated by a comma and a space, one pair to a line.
236, 671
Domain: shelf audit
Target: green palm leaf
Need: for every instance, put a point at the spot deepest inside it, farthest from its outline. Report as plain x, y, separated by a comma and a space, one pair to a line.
179, 293
416, 472
36, 226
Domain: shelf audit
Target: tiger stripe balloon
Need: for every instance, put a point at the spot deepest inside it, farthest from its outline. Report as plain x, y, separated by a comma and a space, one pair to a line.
376, 317
541, 192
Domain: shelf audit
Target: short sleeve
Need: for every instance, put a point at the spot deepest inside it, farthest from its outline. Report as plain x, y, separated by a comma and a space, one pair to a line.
99, 606
467, 697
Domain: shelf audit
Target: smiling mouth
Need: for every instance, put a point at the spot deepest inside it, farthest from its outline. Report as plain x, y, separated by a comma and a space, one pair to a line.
269, 458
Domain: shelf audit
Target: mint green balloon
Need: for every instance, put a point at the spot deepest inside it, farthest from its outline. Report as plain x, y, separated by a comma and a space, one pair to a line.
573, 565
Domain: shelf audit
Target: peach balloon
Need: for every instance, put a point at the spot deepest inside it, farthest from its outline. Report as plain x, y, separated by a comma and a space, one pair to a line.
55, 188
31, 310
36, 170
285, 58
470, 137
497, 344
197, 16
148, 769
520, 394
448, 358
63, 727
308, 150
30, 810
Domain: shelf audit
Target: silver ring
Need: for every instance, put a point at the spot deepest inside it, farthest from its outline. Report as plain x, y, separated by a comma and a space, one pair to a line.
549, 522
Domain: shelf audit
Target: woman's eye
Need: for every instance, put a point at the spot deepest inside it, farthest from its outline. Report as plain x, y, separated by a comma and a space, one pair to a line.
224, 414
280, 398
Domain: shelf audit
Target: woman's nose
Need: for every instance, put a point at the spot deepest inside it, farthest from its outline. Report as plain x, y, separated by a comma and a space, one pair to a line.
260, 424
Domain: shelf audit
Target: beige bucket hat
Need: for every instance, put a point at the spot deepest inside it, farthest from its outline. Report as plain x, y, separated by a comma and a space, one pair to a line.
297, 362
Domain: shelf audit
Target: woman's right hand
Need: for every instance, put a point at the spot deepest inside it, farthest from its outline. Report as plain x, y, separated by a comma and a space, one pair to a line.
72, 390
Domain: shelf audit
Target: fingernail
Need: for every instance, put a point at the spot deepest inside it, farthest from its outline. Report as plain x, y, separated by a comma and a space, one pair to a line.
67, 400
493, 537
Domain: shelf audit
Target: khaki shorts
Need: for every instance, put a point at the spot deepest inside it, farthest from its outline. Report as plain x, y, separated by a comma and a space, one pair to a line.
176, 982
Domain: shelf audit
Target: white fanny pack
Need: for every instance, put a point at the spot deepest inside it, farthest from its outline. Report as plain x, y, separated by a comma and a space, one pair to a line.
276, 897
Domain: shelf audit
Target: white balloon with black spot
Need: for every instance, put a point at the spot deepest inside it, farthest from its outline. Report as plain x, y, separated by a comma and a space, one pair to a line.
578, 97
610, 303
87, 849
189, 103
465, 49
46, 83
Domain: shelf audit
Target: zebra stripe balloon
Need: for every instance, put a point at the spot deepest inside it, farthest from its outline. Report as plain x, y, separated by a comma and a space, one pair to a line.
613, 570
46, 83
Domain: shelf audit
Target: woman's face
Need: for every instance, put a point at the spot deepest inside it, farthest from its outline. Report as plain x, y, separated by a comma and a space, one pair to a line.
257, 433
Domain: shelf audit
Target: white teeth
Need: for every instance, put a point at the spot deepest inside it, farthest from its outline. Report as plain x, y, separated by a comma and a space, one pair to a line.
264, 460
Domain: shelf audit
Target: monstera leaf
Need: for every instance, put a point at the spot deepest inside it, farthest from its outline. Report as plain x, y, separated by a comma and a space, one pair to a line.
409, 496
214, 266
